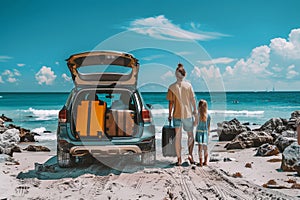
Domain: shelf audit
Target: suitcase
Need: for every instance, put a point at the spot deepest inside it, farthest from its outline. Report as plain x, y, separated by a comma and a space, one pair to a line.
168, 141
90, 119
120, 123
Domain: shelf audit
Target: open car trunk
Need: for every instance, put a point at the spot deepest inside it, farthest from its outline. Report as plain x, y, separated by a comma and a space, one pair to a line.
105, 114
103, 68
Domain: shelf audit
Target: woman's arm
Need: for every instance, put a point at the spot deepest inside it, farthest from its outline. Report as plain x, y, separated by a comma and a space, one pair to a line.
171, 103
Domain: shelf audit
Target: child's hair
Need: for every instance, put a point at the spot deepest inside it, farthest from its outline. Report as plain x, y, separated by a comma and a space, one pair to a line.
202, 106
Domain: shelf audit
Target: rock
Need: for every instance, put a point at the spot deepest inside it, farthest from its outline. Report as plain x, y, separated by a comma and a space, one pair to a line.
289, 133
297, 167
3, 129
9, 138
5, 119
290, 157
295, 114
228, 130
267, 150
273, 124
26, 136
235, 145
37, 148
275, 135
250, 139
283, 142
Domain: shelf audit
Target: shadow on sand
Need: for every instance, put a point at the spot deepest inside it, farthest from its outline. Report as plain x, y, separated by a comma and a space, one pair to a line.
51, 171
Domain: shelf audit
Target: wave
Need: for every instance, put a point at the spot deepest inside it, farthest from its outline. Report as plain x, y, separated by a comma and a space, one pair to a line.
43, 114
236, 112
43, 134
216, 112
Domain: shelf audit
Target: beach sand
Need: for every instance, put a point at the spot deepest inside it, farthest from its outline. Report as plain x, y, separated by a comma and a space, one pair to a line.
22, 180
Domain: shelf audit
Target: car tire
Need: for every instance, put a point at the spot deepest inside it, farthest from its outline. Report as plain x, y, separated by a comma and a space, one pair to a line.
64, 159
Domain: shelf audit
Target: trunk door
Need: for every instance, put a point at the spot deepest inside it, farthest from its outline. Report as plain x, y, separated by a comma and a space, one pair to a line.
103, 68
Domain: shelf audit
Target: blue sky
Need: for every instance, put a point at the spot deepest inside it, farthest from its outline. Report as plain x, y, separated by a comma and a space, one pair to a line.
225, 45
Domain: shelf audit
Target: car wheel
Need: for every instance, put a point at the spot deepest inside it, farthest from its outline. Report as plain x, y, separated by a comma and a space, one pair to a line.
64, 159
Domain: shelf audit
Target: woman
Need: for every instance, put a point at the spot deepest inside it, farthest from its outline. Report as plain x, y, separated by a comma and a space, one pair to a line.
182, 108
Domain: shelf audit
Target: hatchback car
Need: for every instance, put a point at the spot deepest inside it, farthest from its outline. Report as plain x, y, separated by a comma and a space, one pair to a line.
104, 115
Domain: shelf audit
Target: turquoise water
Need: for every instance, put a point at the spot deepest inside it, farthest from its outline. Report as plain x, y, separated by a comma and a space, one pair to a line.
38, 111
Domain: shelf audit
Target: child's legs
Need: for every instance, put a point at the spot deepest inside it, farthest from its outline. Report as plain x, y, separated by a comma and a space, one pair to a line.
200, 148
205, 153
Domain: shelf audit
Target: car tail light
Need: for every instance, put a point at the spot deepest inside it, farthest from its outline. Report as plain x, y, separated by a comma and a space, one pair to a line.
146, 116
62, 116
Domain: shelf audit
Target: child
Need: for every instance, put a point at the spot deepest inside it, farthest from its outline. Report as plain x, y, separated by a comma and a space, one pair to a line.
203, 129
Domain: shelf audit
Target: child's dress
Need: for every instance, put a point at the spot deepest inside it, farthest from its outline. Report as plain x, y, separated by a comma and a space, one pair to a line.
202, 131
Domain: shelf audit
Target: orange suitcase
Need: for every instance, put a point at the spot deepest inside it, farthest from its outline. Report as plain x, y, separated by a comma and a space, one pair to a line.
90, 120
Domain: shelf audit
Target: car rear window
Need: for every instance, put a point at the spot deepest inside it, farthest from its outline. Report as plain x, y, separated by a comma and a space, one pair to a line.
104, 69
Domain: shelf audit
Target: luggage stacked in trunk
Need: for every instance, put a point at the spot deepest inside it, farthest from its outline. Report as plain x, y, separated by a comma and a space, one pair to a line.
119, 123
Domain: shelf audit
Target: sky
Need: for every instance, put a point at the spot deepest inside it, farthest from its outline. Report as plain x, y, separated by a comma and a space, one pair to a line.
227, 45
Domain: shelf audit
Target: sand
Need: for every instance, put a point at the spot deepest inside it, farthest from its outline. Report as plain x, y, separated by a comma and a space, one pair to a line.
21, 179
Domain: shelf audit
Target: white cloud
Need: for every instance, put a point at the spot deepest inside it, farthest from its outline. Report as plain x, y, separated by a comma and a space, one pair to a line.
291, 73
211, 72
1, 80
162, 28
7, 73
16, 72
256, 64
57, 63
66, 77
21, 65
289, 48
222, 60
167, 75
10, 76
5, 58
12, 79
45, 75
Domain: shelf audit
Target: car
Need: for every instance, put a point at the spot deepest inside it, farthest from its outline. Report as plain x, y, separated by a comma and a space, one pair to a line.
105, 114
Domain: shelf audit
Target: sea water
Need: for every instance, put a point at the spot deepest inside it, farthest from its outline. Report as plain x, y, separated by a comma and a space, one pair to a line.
39, 111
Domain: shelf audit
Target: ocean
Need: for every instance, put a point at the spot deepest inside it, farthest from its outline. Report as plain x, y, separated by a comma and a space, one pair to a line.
38, 111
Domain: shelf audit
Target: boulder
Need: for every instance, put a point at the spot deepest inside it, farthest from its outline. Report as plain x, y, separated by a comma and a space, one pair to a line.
37, 148
228, 130
26, 136
290, 157
283, 142
295, 114
267, 150
250, 139
297, 167
9, 138
274, 124
289, 133
235, 145
5, 119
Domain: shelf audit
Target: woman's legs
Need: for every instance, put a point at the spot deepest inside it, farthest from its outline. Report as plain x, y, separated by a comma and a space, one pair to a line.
178, 137
191, 146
